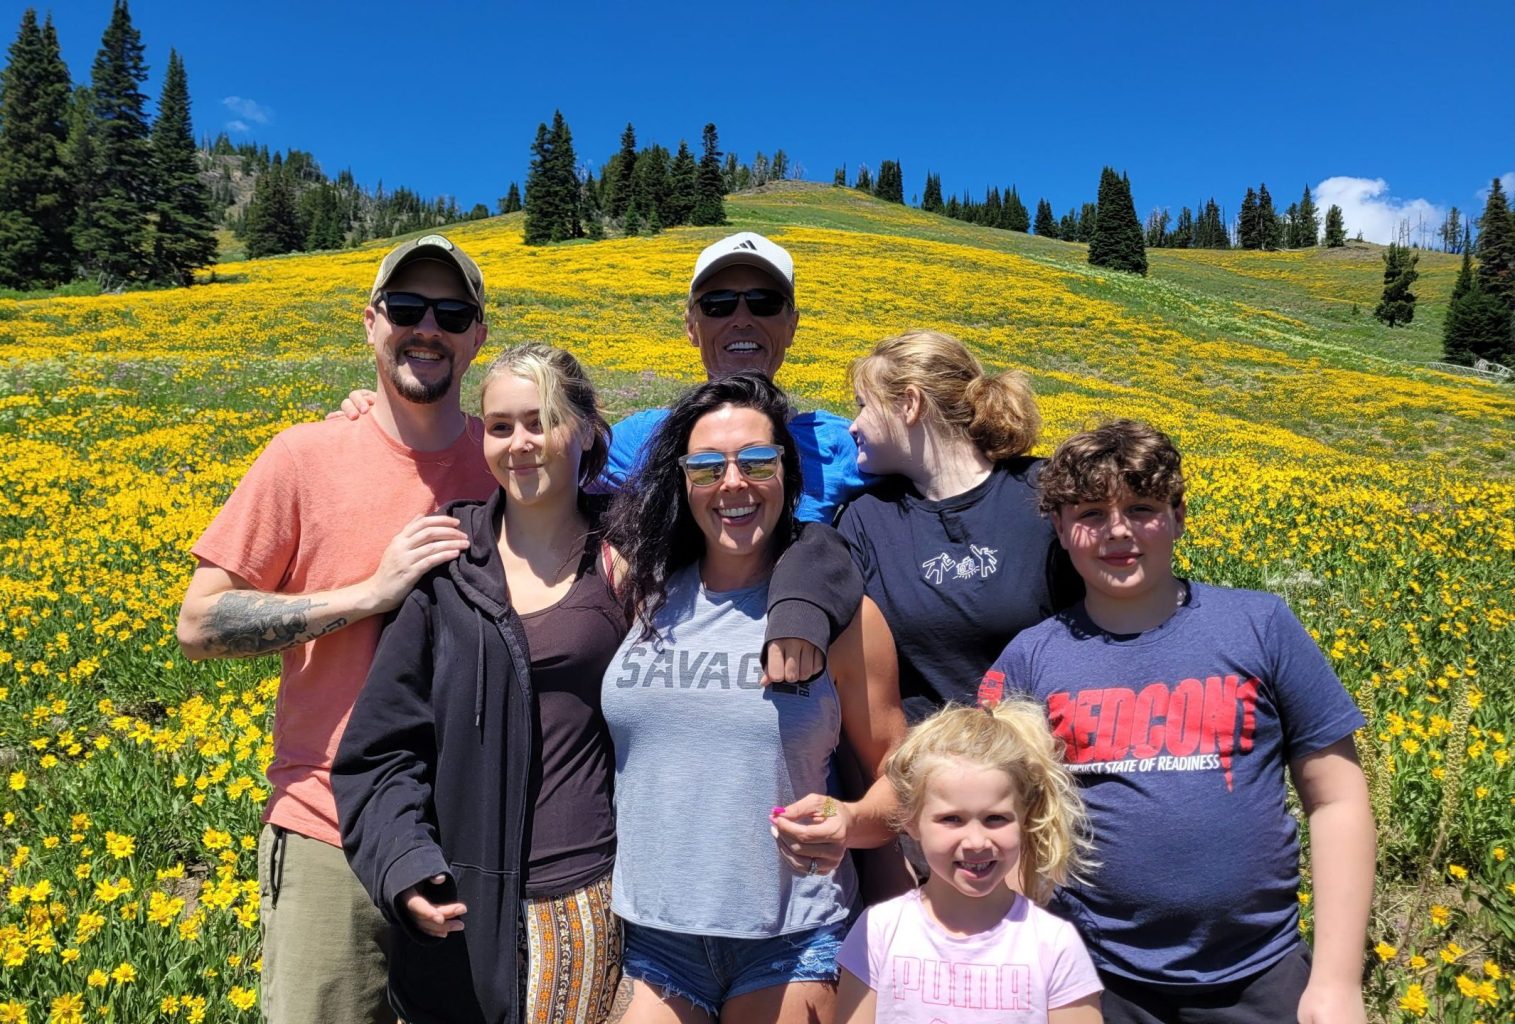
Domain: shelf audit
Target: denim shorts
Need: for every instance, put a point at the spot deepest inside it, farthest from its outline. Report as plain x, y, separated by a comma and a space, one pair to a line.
707, 970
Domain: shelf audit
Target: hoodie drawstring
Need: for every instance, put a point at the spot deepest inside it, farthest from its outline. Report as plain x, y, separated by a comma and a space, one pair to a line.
478, 680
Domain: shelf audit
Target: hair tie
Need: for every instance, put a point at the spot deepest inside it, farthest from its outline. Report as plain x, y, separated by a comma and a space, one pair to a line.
991, 690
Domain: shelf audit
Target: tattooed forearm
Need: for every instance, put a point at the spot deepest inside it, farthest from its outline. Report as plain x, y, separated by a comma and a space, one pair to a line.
244, 623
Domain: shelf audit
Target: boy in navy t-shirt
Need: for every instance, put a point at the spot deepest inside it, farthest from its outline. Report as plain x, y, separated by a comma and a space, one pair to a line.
1180, 705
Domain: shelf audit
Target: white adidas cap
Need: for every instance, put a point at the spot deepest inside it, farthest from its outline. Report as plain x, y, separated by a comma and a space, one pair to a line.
745, 248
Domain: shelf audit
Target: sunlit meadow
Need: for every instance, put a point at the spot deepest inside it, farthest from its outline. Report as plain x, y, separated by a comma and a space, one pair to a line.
1326, 464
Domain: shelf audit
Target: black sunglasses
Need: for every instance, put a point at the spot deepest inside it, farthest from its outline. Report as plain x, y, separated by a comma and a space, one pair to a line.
755, 462
721, 303
406, 309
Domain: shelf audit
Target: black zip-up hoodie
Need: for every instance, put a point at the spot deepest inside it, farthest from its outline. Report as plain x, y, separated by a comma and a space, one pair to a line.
430, 776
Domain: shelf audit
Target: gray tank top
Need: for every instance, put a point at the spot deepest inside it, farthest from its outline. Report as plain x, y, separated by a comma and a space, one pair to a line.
703, 753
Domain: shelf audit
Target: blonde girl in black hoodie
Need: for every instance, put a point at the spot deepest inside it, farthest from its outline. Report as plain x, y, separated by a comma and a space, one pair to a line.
474, 776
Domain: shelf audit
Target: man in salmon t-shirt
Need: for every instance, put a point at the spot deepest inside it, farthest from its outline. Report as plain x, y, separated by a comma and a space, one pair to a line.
327, 532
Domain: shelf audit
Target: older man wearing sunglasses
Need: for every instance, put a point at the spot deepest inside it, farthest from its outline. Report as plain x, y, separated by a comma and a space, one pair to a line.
741, 315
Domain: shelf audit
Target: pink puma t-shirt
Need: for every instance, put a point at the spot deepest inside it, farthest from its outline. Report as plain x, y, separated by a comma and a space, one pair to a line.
314, 512
1029, 963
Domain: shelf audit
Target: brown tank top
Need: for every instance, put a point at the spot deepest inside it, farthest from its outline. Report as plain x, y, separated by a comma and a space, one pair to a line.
571, 837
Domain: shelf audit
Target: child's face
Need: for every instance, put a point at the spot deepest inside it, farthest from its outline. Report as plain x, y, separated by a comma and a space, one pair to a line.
969, 828
1123, 546
878, 430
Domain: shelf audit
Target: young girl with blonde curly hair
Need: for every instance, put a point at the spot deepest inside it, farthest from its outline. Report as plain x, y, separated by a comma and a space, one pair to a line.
997, 815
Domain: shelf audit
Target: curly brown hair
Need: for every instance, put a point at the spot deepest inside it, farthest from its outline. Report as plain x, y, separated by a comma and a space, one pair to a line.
1119, 455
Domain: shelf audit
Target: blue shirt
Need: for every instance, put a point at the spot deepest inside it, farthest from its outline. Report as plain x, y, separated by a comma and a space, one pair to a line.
828, 459
958, 578
1179, 738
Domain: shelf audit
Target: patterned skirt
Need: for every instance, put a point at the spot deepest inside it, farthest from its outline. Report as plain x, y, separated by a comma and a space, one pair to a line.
570, 956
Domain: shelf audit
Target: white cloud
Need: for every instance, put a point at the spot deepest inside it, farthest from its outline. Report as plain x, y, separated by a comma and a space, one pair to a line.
1368, 206
237, 126
248, 110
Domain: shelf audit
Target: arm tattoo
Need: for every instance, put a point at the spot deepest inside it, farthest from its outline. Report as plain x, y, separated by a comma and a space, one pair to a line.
246, 622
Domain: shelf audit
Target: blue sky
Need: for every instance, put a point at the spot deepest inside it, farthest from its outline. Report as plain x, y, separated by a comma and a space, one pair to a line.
1406, 104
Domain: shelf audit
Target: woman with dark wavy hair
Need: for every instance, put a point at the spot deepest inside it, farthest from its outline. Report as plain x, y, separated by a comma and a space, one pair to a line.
732, 873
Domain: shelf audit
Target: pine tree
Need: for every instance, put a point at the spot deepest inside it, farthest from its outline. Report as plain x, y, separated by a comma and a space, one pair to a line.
1157, 228
864, 182
1450, 231
1268, 232
1016, 216
565, 177
540, 205
1046, 223
1336, 230
326, 225
590, 210
1088, 218
184, 236
650, 186
1067, 228
1182, 235
890, 185
780, 166
1210, 228
1117, 239
1308, 222
1249, 235
1496, 248
36, 201
1477, 325
931, 196
512, 201
839, 179
732, 173
709, 207
110, 235
683, 181
623, 172
1398, 303
273, 216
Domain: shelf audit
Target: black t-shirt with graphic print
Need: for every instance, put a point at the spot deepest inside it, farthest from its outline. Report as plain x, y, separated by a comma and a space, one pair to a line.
957, 579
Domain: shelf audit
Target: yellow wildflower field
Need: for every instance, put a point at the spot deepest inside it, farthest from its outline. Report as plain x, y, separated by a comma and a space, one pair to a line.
1375, 495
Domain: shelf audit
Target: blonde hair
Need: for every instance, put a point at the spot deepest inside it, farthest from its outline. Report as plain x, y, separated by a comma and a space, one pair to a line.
566, 394
998, 413
1012, 736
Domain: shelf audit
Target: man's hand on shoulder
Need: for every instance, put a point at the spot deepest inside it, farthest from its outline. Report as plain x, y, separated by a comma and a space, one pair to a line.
358, 403
424, 543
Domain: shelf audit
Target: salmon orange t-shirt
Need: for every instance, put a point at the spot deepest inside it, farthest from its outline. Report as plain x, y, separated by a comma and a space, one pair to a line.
316, 511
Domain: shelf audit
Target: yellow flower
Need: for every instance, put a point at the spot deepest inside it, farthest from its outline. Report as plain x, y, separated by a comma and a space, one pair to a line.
69, 955
1499, 853
97, 978
124, 974
13, 1013
1414, 1001
1385, 952
1418, 962
214, 839
242, 998
1492, 970
120, 846
1450, 953
1440, 915
1467, 986
17, 783
67, 1009
1458, 872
